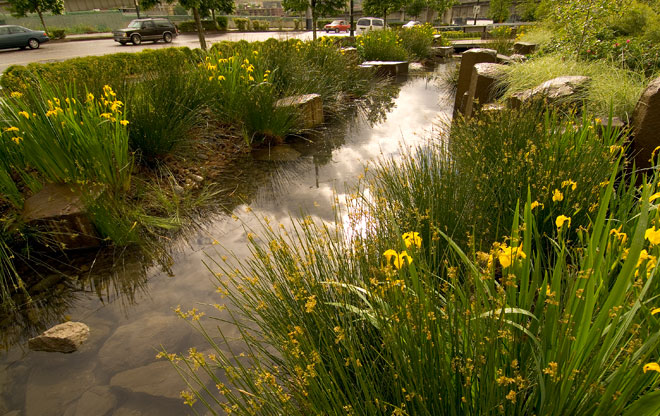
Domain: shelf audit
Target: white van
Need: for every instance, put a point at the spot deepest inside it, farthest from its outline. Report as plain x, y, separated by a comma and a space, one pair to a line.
369, 23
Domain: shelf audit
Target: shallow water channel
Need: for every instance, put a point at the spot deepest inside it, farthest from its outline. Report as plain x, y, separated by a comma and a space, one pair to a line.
130, 311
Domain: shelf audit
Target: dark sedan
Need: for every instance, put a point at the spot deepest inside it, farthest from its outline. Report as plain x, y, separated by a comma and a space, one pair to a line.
12, 36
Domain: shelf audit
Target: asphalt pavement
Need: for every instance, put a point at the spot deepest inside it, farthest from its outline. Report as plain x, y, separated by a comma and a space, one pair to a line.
96, 44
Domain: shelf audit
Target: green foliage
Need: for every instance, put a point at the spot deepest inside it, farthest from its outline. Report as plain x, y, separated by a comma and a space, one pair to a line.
93, 72
609, 87
57, 33
500, 40
21, 8
260, 25
207, 25
499, 10
242, 24
163, 108
541, 316
417, 41
381, 45
457, 34
296, 24
527, 9
381, 7
415, 7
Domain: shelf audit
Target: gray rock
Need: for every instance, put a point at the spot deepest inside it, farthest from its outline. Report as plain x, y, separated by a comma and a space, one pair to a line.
178, 189
388, 68
279, 153
646, 124
482, 86
59, 210
516, 57
48, 392
97, 401
137, 343
13, 413
524, 48
157, 379
197, 178
561, 90
66, 337
470, 58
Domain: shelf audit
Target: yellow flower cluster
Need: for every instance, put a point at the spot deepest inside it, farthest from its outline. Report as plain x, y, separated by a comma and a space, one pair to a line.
399, 259
508, 255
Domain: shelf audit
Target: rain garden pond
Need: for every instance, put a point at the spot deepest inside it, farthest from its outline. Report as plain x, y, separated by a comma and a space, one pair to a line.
128, 300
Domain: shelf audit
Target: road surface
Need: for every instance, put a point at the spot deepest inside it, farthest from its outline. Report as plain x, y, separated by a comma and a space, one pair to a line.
59, 51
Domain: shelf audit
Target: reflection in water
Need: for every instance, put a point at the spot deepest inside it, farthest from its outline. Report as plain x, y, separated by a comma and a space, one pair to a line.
127, 299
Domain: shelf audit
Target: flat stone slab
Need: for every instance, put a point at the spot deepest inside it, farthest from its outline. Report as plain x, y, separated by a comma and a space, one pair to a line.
66, 337
388, 68
524, 48
443, 51
309, 105
646, 125
59, 210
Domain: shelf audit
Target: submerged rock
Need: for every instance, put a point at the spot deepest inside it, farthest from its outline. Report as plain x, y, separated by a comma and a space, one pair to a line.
66, 337
157, 379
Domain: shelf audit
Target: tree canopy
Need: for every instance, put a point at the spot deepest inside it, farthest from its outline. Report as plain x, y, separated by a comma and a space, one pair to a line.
319, 8
21, 8
382, 7
499, 10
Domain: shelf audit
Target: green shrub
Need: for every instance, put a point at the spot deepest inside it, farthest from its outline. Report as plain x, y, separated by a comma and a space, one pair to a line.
380, 45
417, 41
93, 72
296, 24
54, 33
320, 23
223, 22
395, 25
456, 34
260, 25
242, 24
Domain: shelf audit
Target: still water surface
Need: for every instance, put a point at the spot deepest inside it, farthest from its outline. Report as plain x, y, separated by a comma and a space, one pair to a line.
130, 309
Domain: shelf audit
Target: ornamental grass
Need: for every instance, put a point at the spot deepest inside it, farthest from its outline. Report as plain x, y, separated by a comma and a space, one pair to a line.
393, 310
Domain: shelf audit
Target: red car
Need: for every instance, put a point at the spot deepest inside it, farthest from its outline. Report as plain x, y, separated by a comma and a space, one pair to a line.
337, 26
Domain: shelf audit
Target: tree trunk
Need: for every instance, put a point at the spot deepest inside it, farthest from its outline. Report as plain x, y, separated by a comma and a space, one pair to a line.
41, 17
200, 30
215, 21
385, 17
313, 26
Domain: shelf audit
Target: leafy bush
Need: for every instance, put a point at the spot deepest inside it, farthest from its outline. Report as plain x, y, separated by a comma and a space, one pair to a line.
56, 33
296, 24
456, 34
417, 41
260, 25
500, 40
380, 45
242, 24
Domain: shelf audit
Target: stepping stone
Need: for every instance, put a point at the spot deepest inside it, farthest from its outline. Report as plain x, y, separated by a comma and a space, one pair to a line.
309, 105
388, 68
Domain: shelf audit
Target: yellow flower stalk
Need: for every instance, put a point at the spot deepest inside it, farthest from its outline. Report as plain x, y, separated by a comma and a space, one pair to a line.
412, 238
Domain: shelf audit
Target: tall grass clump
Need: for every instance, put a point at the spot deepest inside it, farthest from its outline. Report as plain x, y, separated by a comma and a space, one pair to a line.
609, 86
380, 45
334, 324
66, 140
385, 313
245, 95
163, 108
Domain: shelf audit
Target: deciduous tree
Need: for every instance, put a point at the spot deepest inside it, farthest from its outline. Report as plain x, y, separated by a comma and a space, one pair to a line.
499, 10
382, 7
319, 8
21, 8
193, 5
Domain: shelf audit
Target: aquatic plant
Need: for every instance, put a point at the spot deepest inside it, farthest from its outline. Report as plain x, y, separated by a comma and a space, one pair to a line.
381, 45
557, 303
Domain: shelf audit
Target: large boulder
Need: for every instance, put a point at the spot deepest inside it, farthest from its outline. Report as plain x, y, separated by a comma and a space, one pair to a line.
310, 107
646, 124
58, 209
66, 337
469, 59
569, 89
482, 86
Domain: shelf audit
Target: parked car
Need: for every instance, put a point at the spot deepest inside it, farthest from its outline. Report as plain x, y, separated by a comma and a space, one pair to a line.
12, 36
366, 24
411, 24
337, 26
146, 29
